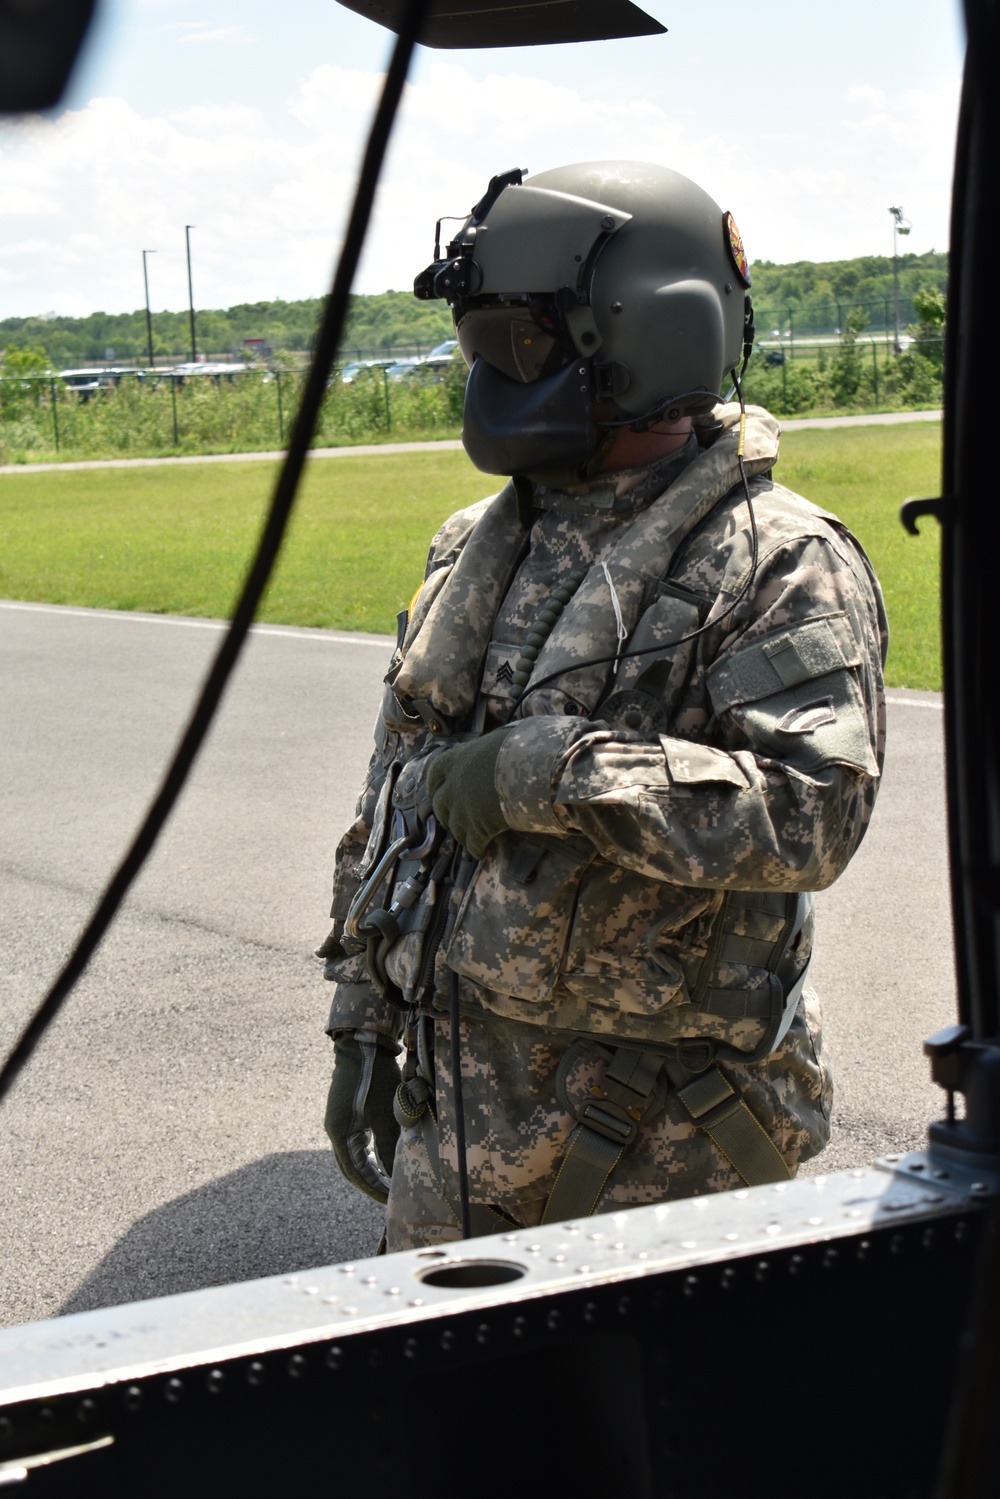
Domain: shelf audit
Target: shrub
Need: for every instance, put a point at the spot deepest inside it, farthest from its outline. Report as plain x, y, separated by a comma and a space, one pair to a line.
850, 377
784, 389
913, 380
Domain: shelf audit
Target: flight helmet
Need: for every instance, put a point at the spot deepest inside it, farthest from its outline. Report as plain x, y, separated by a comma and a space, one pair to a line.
610, 293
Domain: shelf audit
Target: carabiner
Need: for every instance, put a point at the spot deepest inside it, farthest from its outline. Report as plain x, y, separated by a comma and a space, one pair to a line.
366, 894
427, 847
407, 844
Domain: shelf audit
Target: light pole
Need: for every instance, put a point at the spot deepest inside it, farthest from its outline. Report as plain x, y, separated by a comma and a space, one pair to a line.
187, 238
900, 225
149, 319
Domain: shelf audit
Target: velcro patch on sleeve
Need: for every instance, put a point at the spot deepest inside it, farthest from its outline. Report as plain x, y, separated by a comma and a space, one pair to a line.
783, 660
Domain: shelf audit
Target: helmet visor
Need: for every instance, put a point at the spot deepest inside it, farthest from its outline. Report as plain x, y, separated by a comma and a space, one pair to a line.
522, 342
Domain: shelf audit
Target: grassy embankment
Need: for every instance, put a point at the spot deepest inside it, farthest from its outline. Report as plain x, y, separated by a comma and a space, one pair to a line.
176, 540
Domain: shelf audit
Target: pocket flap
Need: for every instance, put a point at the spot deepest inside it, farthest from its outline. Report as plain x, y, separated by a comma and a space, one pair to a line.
690, 763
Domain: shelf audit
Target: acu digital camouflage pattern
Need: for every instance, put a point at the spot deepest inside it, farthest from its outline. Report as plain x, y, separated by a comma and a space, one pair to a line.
646, 797
512, 1166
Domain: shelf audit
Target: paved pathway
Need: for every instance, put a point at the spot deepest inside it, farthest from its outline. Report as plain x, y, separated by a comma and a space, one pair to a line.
168, 1133
888, 418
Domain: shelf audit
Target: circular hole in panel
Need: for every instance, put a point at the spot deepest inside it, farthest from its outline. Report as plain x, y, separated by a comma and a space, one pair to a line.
468, 1275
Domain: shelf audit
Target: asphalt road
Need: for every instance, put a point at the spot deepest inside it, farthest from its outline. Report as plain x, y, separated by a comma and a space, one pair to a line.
168, 1133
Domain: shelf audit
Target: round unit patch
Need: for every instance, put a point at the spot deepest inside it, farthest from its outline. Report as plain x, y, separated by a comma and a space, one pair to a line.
734, 244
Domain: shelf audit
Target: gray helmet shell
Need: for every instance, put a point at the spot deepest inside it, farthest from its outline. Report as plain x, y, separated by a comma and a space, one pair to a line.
666, 297
603, 294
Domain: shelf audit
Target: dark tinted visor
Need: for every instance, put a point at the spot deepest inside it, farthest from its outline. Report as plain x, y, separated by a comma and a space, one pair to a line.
521, 342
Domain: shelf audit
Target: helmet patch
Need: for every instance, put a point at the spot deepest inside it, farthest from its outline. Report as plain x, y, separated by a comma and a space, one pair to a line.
734, 243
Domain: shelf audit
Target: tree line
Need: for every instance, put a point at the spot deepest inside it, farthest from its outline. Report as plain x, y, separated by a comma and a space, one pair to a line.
816, 297
391, 320
805, 297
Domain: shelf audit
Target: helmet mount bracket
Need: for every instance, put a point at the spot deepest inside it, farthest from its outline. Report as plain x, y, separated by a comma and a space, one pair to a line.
581, 325
610, 380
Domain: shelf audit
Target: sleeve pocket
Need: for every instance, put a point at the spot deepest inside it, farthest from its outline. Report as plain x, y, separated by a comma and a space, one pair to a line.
796, 698
820, 722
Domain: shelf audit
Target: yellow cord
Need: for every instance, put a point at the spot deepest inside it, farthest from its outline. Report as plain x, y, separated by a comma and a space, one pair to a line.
743, 433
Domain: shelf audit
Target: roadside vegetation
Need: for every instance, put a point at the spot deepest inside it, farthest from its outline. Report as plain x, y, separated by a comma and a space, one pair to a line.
177, 540
804, 299
249, 407
858, 372
42, 420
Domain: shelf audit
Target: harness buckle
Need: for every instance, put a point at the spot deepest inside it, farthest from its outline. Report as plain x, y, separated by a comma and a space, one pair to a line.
709, 1099
612, 1120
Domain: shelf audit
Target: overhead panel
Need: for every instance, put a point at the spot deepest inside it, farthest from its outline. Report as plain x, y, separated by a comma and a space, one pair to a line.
39, 42
532, 23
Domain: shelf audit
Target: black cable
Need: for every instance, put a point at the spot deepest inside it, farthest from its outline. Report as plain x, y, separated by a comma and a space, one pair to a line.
459, 1104
260, 570
669, 645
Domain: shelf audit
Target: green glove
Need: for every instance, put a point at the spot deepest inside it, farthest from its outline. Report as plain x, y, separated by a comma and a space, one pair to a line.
359, 1118
462, 786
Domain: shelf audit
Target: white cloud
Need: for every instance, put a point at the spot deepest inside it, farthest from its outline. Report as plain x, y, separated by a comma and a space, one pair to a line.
84, 193
221, 119
199, 31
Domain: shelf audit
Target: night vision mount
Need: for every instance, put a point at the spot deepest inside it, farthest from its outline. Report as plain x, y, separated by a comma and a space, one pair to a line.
451, 277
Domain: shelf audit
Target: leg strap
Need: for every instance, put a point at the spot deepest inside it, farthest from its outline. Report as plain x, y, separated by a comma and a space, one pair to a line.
714, 1105
607, 1124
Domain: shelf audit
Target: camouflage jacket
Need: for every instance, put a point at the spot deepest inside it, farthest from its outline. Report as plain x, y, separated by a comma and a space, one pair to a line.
701, 738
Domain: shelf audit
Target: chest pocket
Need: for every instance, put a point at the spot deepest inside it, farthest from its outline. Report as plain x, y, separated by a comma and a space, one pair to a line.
656, 667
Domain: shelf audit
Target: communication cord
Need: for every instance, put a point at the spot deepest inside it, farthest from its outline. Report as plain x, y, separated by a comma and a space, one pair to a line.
710, 623
261, 567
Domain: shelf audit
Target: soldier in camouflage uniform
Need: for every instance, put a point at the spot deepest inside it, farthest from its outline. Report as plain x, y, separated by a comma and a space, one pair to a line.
634, 717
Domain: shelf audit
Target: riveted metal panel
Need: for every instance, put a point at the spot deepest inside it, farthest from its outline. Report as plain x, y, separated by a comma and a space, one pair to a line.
671, 1350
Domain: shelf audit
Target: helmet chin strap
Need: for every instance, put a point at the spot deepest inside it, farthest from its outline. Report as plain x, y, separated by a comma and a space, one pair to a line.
580, 473
605, 442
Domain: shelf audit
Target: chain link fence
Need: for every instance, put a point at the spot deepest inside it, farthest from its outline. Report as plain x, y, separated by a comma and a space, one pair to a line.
150, 414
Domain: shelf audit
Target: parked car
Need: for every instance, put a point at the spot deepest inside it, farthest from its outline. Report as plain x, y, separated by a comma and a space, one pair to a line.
203, 370
83, 382
403, 369
86, 382
428, 368
350, 372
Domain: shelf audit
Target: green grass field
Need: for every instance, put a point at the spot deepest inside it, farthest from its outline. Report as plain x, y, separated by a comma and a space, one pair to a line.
176, 540
863, 474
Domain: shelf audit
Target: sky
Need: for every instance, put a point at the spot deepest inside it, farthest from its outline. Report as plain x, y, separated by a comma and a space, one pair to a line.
247, 120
